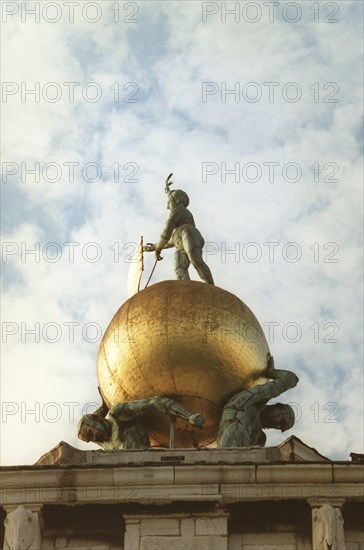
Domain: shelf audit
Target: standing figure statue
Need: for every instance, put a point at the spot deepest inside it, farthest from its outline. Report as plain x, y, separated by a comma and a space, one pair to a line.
123, 427
247, 413
180, 232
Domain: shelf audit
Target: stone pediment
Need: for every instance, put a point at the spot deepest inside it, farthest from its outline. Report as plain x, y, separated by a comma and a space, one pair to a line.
291, 450
294, 449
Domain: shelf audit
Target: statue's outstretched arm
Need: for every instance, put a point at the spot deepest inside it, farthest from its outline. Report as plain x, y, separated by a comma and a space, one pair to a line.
171, 407
127, 412
150, 247
164, 239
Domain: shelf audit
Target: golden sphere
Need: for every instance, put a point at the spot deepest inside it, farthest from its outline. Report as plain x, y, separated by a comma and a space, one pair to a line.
190, 341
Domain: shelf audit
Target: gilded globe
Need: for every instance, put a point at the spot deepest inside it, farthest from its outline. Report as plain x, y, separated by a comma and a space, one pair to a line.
190, 341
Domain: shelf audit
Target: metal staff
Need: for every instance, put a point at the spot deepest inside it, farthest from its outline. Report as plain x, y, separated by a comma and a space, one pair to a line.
172, 433
168, 184
151, 275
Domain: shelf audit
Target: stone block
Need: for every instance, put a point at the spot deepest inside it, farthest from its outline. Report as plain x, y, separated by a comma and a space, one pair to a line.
83, 544
179, 543
237, 542
277, 539
188, 528
132, 536
347, 491
211, 526
270, 547
87, 477
144, 475
234, 542
233, 492
218, 543
348, 473
215, 474
352, 535
159, 526
294, 473
164, 493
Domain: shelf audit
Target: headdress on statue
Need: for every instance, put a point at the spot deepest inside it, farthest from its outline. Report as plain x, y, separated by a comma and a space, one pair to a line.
178, 196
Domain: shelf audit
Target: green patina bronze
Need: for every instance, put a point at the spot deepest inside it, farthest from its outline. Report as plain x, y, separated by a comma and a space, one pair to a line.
247, 413
123, 427
181, 233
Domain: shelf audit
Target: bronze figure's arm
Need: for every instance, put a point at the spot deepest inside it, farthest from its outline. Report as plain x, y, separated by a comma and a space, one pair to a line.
171, 407
280, 381
127, 412
104, 409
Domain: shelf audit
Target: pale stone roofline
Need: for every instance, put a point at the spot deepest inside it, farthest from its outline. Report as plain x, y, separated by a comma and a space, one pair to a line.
291, 450
160, 477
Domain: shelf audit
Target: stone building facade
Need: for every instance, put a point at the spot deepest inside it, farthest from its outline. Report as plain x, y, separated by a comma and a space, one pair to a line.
280, 498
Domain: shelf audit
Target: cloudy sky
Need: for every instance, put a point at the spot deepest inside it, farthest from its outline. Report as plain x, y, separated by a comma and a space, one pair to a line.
258, 114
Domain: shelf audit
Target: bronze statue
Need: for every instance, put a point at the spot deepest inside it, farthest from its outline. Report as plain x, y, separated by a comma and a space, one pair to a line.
180, 232
246, 414
123, 427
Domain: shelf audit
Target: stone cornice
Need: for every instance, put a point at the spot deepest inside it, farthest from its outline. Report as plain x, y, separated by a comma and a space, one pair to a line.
156, 484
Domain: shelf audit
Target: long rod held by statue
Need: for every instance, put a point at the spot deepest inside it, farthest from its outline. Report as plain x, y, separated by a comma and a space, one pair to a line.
168, 184
172, 433
151, 275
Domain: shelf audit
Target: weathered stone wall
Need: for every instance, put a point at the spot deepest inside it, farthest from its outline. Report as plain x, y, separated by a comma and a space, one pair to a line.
284, 540
177, 532
245, 526
77, 543
186, 500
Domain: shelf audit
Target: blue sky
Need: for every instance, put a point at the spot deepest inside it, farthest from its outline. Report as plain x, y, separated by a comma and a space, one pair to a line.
163, 61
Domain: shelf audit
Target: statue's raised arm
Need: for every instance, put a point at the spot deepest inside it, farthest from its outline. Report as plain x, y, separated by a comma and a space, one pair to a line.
246, 414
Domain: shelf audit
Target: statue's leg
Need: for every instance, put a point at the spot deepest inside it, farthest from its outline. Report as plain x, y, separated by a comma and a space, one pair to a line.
201, 267
195, 257
193, 244
181, 265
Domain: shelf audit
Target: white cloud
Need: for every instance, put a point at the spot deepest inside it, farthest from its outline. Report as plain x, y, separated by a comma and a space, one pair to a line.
171, 129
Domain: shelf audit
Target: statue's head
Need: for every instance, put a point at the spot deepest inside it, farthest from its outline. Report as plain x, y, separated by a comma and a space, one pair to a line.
278, 416
95, 428
177, 197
